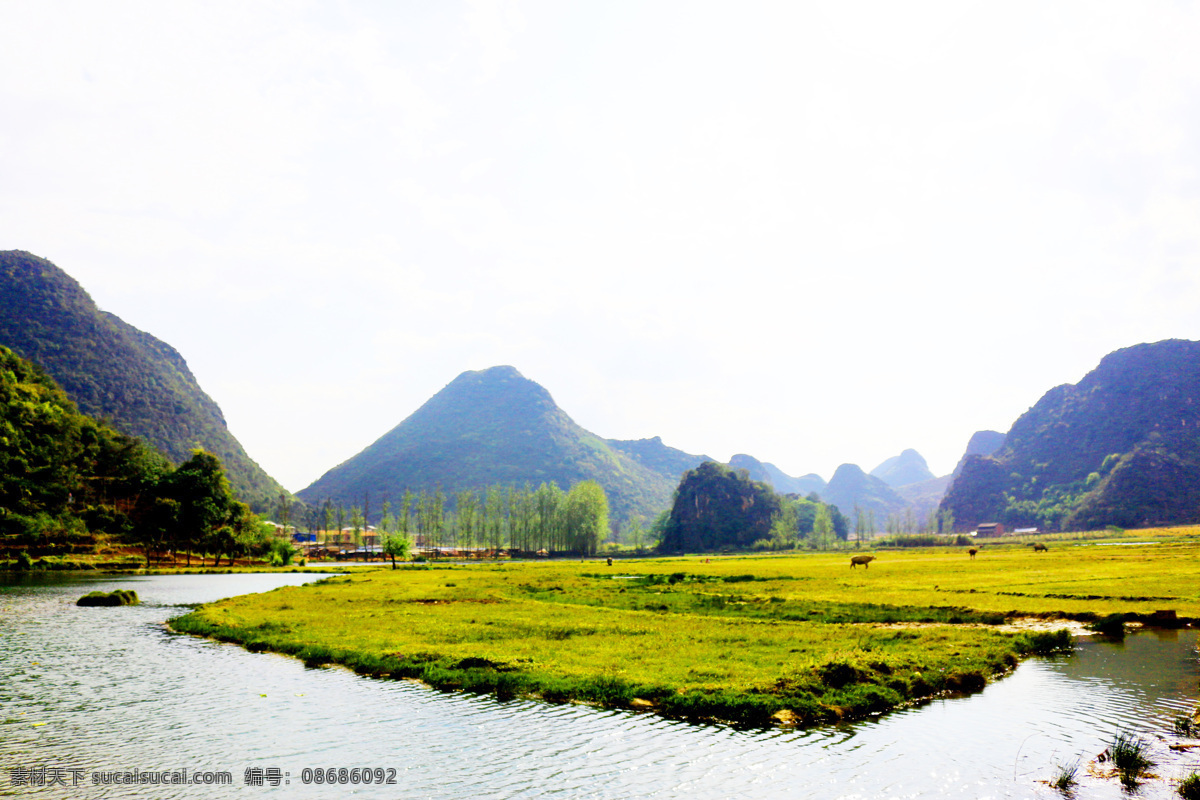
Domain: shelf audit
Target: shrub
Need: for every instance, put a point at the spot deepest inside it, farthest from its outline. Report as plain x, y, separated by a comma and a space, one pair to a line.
1046, 642
973, 681
1112, 626
281, 553
1189, 787
837, 674
24, 561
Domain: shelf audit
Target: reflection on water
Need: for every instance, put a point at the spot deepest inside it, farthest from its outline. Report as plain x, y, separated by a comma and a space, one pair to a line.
102, 689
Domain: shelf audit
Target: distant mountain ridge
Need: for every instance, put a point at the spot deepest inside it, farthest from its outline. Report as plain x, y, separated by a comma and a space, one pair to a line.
111, 370
850, 487
775, 477
657, 457
907, 468
495, 426
1121, 447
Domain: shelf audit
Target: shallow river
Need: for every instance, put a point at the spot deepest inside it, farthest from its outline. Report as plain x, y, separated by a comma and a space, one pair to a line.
95, 693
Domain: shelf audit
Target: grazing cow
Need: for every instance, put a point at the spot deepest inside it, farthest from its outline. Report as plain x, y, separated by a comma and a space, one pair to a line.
1038, 547
972, 553
864, 560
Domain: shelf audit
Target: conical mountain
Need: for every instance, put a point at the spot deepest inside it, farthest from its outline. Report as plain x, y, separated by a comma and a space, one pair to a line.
113, 371
850, 487
495, 426
907, 468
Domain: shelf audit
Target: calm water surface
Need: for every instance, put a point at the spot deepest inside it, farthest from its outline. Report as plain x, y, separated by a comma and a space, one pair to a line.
110, 689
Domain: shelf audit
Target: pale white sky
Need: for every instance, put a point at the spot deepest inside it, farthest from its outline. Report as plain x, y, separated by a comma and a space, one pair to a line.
813, 232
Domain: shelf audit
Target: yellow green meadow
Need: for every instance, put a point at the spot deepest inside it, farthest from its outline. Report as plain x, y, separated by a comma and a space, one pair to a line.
795, 639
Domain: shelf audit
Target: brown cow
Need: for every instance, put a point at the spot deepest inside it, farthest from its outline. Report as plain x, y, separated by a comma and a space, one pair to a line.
864, 560
972, 553
1038, 547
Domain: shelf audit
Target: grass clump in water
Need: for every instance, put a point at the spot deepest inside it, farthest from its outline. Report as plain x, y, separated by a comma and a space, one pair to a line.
1189, 787
119, 597
1130, 757
1064, 779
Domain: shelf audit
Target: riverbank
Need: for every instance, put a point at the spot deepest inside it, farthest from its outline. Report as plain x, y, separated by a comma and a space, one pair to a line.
794, 640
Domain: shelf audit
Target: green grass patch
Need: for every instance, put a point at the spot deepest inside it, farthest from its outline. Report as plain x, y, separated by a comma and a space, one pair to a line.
749, 641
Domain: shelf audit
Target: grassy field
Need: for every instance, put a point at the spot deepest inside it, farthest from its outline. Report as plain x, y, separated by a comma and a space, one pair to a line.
796, 639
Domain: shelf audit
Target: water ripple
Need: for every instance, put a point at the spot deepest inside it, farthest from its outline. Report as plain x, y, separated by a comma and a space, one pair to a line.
112, 690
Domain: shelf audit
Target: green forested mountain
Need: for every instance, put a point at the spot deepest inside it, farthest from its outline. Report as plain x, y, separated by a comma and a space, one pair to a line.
718, 506
1121, 447
907, 468
69, 482
56, 463
114, 371
496, 427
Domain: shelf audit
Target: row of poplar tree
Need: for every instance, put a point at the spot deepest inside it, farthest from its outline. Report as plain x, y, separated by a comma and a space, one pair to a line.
496, 517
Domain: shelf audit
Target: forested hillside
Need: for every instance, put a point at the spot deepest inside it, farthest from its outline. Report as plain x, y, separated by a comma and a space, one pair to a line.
113, 371
718, 507
69, 482
1121, 447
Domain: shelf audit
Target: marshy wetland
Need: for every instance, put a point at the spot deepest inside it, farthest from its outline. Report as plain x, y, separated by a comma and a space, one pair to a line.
112, 687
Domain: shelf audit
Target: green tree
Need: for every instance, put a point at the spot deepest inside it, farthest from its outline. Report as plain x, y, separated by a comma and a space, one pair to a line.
403, 520
200, 487
387, 523
466, 504
326, 519
283, 511
823, 528
586, 516
635, 533
157, 520
547, 501
396, 545
240, 531
785, 526
357, 521
494, 505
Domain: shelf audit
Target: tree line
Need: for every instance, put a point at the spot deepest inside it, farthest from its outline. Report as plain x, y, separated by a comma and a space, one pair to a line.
496, 517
